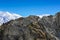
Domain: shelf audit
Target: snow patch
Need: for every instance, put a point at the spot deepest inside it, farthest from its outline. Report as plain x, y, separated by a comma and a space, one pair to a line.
43, 15
7, 16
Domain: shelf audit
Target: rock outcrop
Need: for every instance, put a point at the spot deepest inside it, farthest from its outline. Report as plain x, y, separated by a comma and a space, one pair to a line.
32, 28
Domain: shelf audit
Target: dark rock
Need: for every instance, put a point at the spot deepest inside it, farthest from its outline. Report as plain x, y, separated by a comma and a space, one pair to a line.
32, 28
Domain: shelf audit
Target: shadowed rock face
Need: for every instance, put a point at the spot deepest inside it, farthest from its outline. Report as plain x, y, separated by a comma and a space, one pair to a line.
32, 28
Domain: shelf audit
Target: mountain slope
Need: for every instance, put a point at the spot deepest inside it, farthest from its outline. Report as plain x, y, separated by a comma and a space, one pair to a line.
32, 28
6, 16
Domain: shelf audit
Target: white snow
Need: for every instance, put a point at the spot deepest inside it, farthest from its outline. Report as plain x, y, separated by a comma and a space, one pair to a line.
43, 15
7, 16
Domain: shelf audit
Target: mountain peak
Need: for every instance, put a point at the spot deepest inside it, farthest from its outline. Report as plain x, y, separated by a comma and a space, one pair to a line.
7, 16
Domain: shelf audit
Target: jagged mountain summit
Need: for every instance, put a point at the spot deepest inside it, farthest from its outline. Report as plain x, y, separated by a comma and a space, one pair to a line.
32, 28
6, 16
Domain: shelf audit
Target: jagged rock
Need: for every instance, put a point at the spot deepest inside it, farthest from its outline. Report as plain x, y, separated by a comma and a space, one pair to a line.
32, 28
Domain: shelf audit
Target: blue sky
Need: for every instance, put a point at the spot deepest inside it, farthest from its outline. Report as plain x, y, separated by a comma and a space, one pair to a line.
30, 7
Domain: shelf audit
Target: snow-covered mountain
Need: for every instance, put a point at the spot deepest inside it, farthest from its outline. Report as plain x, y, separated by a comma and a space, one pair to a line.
6, 16
43, 15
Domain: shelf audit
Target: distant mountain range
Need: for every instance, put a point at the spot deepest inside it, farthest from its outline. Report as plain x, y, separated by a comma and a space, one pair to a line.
32, 28
6, 16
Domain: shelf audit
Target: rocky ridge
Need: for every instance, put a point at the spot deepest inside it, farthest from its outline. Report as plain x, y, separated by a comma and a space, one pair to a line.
32, 28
